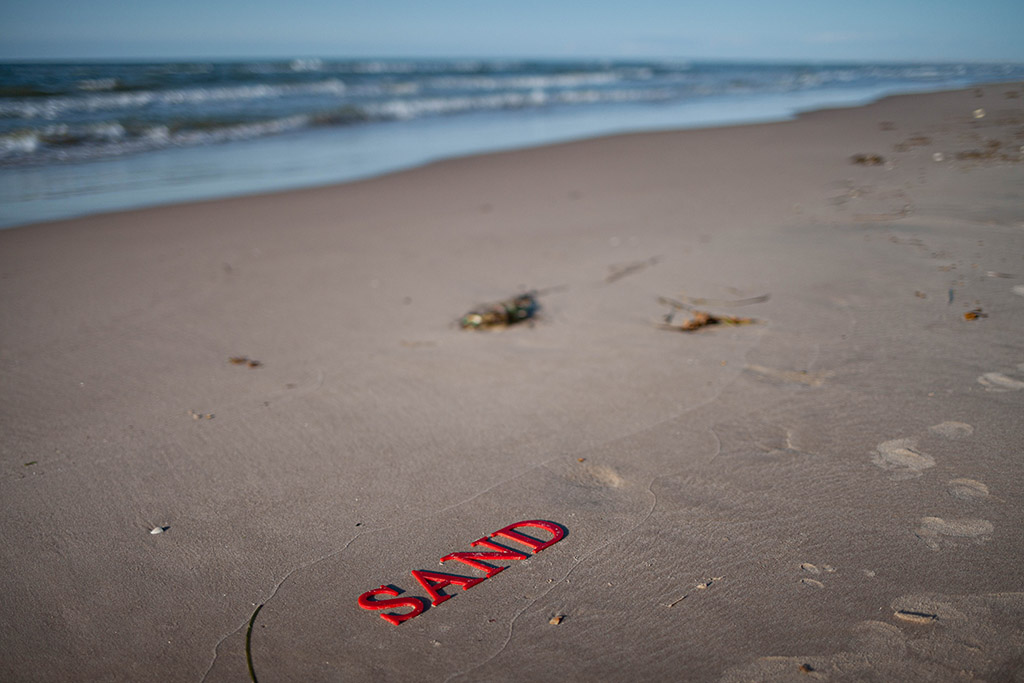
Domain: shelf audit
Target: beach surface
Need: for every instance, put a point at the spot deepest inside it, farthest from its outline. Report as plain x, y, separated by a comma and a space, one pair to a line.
833, 491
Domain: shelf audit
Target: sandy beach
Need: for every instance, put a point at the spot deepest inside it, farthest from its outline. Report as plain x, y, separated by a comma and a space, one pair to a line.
834, 491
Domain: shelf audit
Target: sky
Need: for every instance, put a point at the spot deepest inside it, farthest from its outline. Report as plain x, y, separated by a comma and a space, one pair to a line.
783, 30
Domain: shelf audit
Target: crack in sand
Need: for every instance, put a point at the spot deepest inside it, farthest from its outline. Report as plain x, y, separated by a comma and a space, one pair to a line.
335, 553
505, 480
69, 462
927, 642
251, 618
565, 577
580, 561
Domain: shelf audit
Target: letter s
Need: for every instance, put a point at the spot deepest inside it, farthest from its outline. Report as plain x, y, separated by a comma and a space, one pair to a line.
366, 601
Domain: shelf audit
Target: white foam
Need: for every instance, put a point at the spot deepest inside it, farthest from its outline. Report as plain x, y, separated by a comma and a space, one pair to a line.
12, 144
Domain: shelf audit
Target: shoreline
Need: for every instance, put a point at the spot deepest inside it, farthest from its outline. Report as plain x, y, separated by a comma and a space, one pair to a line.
241, 156
835, 487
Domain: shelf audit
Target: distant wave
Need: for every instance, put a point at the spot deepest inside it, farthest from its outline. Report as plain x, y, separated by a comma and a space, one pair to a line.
54, 107
58, 113
77, 142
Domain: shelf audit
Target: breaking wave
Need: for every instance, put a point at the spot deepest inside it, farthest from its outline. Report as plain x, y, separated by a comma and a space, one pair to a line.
57, 113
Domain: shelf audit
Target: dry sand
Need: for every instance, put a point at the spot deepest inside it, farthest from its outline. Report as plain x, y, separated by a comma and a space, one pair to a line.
833, 492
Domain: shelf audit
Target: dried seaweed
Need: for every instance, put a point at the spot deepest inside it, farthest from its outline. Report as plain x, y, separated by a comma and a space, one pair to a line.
867, 159
699, 319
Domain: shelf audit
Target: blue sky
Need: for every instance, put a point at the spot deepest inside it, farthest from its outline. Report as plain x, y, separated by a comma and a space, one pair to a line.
863, 30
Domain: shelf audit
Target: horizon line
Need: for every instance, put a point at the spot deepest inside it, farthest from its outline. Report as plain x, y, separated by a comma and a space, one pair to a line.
520, 58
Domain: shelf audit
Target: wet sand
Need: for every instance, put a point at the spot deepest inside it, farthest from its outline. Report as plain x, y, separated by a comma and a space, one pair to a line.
833, 491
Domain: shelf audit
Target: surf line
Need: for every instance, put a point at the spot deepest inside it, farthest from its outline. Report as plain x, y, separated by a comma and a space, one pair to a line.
435, 582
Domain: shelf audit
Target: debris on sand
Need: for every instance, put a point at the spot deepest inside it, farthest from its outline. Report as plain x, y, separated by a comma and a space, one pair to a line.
698, 319
617, 272
910, 143
867, 159
990, 152
517, 309
502, 313
975, 314
245, 360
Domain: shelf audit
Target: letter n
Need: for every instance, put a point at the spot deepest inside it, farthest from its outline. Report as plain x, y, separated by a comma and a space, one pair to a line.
473, 558
535, 545
435, 581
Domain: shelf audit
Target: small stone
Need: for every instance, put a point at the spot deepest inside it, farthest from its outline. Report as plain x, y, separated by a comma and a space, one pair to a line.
556, 620
158, 530
979, 113
915, 617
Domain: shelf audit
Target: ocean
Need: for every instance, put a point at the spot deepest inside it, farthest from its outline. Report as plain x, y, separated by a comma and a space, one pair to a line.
77, 139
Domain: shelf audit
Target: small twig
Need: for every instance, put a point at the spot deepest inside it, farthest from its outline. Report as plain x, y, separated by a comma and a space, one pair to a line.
676, 602
700, 301
619, 272
549, 290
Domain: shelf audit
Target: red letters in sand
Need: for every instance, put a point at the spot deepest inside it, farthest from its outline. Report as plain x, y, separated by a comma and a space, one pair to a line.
435, 582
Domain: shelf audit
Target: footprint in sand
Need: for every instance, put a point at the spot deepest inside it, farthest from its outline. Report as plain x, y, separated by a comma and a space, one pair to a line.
997, 381
935, 531
814, 570
927, 638
967, 489
905, 461
595, 476
811, 379
901, 457
952, 430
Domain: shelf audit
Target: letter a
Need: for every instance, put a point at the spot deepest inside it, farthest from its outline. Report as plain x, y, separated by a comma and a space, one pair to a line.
435, 581
535, 545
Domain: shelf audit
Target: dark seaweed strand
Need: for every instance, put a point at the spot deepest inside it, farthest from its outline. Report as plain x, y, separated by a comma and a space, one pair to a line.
248, 644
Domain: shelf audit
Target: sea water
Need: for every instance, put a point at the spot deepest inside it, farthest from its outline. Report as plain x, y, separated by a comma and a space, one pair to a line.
83, 138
